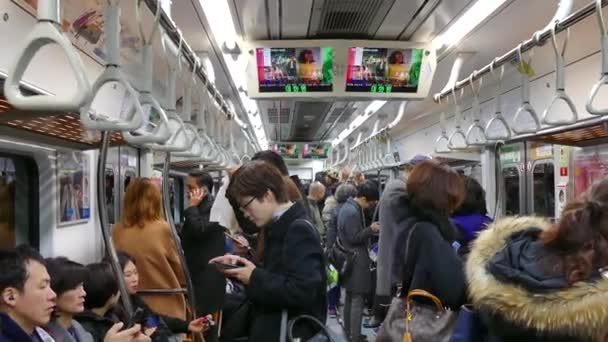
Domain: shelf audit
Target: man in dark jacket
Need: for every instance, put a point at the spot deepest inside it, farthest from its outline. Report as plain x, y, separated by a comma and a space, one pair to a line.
355, 236
202, 241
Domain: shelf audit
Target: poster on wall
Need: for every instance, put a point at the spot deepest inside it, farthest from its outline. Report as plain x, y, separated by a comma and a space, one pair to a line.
73, 176
83, 22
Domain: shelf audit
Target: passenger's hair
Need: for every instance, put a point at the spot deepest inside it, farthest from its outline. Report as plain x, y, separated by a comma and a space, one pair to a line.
274, 159
13, 266
124, 258
65, 274
474, 200
345, 191
435, 186
345, 174
203, 179
100, 285
579, 238
254, 179
142, 203
369, 190
316, 187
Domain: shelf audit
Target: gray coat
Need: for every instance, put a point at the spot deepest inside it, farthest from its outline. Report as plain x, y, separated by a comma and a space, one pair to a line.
355, 237
60, 334
392, 215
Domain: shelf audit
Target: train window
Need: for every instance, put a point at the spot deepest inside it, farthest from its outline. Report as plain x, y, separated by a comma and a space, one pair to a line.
511, 186
543, 178
19, 220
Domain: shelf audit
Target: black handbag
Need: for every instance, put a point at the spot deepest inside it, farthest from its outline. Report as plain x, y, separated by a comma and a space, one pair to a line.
287, 327
342, 259
237, 314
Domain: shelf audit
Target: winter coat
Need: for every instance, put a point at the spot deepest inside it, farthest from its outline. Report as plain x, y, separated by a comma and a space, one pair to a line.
96, 325
355, 236
158, 263
315, 215
60, 334
10, 331
470, 225
293, 277
520, 298
392, 211
431, 263
202, 241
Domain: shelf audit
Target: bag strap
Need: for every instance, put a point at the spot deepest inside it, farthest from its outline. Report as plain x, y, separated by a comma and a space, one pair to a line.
312, 319
424, 294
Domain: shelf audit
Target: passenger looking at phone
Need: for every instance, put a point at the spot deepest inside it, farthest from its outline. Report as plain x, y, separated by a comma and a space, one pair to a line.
293, 275
202, 241
166, 325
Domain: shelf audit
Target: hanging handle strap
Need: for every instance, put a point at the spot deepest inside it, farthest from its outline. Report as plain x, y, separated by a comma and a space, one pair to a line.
194, 141
526, 106
480, 139
47, 31
113, 74
458, 132
604, 76
178, 141
147, 40
560, 84
443, 139
498, 119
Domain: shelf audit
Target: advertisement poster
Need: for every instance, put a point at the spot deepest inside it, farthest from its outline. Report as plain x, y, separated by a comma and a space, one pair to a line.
291, 151
73, 176
383, 70
315, 151
83, 22
295, 70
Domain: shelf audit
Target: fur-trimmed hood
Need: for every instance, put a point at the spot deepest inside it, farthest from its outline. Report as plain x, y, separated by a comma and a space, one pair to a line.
580, 311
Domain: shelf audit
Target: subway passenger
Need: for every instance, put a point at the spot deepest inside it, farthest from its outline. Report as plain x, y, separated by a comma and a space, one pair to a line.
531, 280
166, 326
292, 276
67, 281
147, 237
472, 215
331, 181
392, 212
202, 241
316, 194
355, 235
27, 300
345, 175
434, 191
343, 193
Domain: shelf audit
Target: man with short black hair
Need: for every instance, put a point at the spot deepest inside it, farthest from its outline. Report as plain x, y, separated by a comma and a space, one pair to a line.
26, 298
202, 241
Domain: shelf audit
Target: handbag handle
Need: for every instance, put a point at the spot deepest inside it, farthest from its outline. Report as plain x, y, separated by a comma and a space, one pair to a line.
423, 294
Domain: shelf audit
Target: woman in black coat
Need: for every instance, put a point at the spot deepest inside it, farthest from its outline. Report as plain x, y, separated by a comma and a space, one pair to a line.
434, 191
293, 277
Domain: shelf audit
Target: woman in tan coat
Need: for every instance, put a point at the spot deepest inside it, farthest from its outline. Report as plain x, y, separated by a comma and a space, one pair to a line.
144, 235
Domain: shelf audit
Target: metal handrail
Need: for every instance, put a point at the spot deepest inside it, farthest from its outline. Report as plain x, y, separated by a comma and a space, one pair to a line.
604, 75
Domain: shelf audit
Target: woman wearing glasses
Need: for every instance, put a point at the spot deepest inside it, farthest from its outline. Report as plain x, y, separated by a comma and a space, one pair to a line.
293, 276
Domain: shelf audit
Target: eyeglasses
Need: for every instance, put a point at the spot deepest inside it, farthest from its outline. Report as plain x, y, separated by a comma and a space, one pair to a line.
244, 207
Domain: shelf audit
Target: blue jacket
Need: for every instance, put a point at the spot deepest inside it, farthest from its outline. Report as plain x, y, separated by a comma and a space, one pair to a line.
470, 225
11, 332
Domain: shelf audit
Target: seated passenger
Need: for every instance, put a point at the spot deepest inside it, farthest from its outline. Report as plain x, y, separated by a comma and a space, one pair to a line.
164, 323
355, 234
102, 296
431, 264
536, 281
27, 300
143, 234
472, 216
293, 275
67, 281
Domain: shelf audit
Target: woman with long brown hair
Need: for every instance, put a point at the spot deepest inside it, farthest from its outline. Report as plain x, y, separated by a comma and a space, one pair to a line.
143, 234
536, 281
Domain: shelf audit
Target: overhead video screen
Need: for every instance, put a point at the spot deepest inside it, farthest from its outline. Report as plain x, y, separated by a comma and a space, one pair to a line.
291, 151
383, 70
315, 151
295, 70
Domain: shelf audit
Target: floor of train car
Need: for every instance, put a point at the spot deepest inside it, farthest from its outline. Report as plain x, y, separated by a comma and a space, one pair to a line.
334, 325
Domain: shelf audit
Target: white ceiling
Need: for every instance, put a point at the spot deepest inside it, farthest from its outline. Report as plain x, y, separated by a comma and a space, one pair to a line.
394, 20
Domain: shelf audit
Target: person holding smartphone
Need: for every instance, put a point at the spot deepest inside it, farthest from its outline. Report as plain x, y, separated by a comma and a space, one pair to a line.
203, 240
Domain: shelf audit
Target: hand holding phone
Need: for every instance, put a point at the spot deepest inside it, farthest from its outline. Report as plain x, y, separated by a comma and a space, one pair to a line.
224, 266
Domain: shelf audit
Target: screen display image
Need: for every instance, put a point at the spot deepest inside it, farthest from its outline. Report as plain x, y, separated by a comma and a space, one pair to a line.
291, 151
383, 70
315, 151
295, 70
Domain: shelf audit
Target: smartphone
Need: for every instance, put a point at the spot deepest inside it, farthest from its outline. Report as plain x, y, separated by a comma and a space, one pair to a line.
138, 317
222, 266
228, 235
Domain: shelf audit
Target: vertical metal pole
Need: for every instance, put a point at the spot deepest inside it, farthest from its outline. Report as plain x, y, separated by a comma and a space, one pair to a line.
104, 222
176, 238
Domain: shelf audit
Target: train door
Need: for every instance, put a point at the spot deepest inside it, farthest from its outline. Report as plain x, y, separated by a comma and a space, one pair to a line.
512, 183
540, 175
128, 170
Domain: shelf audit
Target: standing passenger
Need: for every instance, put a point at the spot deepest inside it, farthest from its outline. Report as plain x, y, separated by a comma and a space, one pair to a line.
355, 235
472, 216
293, 274
316, 194
202, 241
147, 237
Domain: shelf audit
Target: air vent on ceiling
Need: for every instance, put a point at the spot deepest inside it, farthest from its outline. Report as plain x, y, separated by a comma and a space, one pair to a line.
308, 118
347, 18
273, 116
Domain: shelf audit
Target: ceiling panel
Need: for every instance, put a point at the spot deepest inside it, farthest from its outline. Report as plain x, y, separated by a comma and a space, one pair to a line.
252, 18
295, 18
435, 22
398, 18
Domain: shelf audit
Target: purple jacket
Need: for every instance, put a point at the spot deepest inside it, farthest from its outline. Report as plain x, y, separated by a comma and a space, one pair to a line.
470, 225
